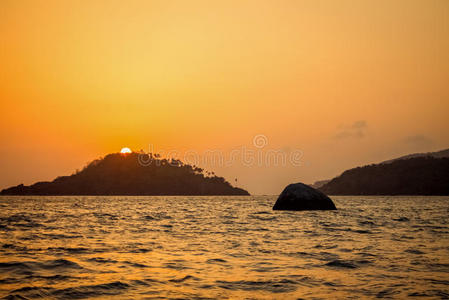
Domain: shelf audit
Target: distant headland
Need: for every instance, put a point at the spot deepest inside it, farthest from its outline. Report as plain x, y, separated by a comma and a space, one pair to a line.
124, 174
415, 174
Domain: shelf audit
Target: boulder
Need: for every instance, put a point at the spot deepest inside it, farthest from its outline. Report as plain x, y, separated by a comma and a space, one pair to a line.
298, 196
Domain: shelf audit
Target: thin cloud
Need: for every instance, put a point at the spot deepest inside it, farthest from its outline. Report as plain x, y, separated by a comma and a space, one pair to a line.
359, 124
356, 130
418, 141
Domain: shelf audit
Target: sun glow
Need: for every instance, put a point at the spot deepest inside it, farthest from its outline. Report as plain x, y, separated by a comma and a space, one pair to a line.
125, 150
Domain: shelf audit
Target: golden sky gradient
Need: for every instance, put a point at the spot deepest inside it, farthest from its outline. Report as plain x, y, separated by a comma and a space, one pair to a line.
345, 82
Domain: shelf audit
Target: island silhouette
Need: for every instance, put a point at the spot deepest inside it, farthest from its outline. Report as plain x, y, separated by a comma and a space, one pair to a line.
125, 174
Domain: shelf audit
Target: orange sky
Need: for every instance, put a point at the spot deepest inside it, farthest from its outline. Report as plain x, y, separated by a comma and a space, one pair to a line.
345, 82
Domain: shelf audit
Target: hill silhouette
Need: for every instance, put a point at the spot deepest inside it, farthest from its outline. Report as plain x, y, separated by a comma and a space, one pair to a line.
437, 154
412, 176
123, 174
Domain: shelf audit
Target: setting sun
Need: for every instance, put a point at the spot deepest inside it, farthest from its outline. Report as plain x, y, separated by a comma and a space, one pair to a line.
125, 150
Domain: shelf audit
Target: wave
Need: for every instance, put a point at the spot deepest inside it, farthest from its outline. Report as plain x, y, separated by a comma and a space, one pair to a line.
80, 292
274, 286
187, 277
28, 267
341, 264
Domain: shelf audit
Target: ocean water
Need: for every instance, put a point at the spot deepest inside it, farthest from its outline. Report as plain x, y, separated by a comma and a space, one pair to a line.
222, 247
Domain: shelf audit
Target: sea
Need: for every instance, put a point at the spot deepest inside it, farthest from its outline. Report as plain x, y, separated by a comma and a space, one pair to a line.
224, 247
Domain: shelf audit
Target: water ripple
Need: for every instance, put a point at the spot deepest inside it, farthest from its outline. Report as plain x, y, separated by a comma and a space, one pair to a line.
222, 247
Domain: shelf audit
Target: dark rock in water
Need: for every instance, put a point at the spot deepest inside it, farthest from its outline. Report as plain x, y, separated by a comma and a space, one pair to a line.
299, 196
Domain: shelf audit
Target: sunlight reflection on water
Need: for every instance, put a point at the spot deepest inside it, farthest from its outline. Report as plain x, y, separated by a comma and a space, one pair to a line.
222, 247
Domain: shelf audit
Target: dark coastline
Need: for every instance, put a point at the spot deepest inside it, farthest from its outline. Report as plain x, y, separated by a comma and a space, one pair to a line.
421, 176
